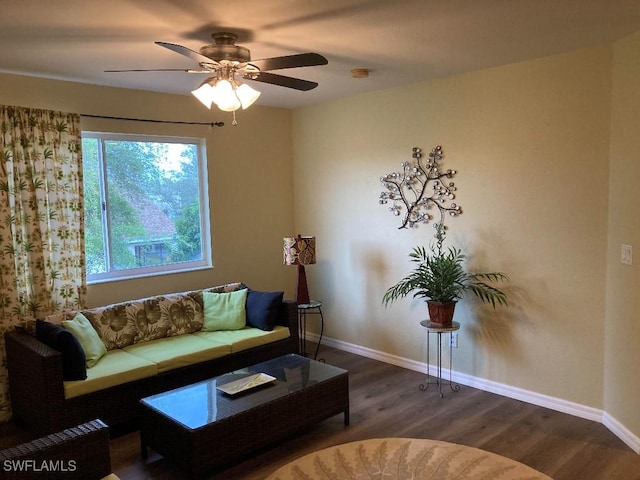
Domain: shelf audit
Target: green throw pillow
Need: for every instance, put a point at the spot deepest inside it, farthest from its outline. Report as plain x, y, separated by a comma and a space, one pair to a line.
224, 311
93, 347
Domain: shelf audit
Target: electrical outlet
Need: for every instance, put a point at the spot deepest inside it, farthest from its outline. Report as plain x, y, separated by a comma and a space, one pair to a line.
626, 254
453, 340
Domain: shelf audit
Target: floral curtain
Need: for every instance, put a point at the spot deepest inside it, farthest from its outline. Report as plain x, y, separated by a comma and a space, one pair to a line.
41, 221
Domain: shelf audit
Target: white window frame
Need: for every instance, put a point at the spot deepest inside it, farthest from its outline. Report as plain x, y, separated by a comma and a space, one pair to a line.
205, 231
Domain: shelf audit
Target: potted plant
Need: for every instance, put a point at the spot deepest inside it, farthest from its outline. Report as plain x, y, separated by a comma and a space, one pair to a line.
440, 277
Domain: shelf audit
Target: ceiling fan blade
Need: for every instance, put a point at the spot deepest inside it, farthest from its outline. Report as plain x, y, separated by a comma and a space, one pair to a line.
290, 61
184, 70
281, 80
187, 52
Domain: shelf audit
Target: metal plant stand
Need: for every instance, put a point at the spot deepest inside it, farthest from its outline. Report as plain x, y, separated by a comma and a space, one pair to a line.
438, 380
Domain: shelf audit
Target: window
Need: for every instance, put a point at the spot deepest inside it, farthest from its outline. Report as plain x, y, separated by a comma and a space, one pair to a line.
145, 204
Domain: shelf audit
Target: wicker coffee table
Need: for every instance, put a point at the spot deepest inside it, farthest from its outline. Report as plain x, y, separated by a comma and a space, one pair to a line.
202, 428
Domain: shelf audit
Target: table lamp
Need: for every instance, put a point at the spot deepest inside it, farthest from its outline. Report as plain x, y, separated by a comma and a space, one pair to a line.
300, 251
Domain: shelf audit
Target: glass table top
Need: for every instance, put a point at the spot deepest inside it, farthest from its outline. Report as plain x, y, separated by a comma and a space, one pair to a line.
202, 403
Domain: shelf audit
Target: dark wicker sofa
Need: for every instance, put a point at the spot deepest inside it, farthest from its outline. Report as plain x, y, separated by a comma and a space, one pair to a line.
80, 452
37, 392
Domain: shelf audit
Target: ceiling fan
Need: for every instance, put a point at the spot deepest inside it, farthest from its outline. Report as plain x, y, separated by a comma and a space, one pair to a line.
225, 60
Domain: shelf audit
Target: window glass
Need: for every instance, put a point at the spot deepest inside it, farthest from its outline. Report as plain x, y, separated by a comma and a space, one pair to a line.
145, 205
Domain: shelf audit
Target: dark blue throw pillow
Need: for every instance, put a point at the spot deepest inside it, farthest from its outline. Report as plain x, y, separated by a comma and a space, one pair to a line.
74, 363
263, 309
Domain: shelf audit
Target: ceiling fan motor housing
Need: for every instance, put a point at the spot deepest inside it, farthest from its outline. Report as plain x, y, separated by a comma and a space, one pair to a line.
225, 48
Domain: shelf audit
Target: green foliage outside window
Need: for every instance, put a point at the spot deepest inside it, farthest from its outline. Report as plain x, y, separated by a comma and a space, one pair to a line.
145, 210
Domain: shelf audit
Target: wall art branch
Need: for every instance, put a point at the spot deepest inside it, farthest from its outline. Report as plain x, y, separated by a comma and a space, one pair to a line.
418, 188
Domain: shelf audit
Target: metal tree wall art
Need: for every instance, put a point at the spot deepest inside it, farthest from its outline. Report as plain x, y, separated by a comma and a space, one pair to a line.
418, 188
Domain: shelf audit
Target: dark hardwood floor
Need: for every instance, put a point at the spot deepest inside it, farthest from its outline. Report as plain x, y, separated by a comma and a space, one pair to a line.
386, 402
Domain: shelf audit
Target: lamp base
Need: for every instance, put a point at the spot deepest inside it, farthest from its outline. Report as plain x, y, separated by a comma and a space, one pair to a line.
302, 290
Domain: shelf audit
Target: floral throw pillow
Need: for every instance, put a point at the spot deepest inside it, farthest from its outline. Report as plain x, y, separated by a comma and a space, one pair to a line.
116, 324
151, 323
180, 314
229, 287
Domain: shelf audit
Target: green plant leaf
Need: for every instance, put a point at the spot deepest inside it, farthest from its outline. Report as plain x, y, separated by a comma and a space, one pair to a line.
439, 275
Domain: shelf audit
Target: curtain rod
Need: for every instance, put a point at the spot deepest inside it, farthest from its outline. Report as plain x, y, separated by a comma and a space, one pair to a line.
209, 124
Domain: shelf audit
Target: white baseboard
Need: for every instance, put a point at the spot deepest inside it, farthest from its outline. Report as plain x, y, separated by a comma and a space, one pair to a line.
622, 432
528, 396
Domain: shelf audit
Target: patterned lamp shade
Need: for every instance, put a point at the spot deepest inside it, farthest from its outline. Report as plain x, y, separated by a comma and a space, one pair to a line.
300, 251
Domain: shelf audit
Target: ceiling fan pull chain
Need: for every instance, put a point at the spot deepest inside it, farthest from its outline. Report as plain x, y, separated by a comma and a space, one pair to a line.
234, 123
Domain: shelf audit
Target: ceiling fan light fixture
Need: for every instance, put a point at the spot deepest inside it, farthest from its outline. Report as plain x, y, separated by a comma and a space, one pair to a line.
205, 93
246, 95
225, 96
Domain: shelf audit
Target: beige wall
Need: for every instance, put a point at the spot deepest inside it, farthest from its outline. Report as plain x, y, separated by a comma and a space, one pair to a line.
249, 168
541, 202
530, 143
622, 382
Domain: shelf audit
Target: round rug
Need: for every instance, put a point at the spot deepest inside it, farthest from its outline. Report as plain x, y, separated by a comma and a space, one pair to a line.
404, 459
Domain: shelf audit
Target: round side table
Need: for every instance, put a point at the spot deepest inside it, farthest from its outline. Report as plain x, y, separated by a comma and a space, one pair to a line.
439, 330
312, 308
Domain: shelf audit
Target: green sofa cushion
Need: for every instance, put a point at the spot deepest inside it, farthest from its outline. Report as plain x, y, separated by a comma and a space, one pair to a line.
176, 352
91, 343
246, 338
224, 311
114, 368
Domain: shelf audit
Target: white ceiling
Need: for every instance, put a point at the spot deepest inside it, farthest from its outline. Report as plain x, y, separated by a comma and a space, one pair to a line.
400, 41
